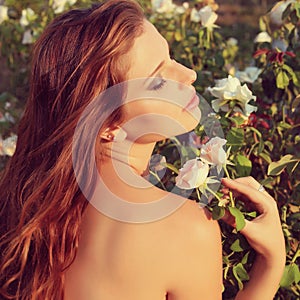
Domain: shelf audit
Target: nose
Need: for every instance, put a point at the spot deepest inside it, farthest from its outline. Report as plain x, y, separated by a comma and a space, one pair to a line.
185, 75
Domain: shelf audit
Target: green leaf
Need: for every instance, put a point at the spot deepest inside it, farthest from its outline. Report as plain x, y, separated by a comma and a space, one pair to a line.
286, 12
178, 36
235, 137
296, 103
172, 168
238, 120
290, 275
282, 79
239, 218
236, 247
243, 165
291, 72
297, 8
294, 17
218, 212
266, 157
219, 60
240, 274
275, 168
284, 125
261, 146
292, 166
262, 24
245, 258
269, 144
251, 214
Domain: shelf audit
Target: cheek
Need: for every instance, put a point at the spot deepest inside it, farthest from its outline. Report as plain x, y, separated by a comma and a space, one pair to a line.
155, 119
151, 120
151, 107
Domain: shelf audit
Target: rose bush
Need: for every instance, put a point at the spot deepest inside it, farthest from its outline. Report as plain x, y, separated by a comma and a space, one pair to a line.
256, 101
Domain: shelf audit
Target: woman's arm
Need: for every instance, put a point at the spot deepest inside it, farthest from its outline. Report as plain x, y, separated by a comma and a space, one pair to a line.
265, 236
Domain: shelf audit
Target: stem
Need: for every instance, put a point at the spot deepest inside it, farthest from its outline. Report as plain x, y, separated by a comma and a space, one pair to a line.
230, 192
296, 254
208, 37
157, 177
198, 194
213, 193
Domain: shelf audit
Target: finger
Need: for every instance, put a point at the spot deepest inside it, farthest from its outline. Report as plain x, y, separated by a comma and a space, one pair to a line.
250, 181
228, 218
260, 200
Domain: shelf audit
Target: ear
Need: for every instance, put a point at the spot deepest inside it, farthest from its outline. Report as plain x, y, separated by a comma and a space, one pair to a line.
116, 134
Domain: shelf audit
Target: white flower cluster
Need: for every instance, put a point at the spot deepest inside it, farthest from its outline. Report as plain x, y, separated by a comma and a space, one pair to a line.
230, 89
28, 15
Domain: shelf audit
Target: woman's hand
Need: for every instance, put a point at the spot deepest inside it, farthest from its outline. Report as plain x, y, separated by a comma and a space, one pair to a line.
264, 234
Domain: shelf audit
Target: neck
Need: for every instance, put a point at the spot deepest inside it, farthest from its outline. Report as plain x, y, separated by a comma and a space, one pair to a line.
132, 156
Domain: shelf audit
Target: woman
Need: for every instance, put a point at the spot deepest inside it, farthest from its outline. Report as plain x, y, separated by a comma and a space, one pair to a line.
58, 241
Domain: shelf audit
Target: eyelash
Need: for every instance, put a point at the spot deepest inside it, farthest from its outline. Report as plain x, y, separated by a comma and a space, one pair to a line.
159, 85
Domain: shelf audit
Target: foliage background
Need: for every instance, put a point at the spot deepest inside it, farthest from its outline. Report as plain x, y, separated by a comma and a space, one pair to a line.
264, 145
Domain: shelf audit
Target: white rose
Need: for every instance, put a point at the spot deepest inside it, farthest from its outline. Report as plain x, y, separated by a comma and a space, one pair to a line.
225, 87
213, 153
244, 95
250, 74
208, 17
228, 89
263, 37
28, 15
3, 13
193, 174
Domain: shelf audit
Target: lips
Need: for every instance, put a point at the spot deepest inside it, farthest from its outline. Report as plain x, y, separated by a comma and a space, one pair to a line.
193, 103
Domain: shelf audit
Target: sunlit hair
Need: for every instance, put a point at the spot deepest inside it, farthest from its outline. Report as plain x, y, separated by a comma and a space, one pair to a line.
79, 55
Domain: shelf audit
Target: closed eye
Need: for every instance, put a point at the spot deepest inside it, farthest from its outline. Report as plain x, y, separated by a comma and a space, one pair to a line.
157, 83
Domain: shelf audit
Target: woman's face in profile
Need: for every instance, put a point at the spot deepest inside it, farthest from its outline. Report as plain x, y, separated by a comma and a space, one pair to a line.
161, 100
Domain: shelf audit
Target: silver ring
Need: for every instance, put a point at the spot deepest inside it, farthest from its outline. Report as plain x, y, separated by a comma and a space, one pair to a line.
261, 188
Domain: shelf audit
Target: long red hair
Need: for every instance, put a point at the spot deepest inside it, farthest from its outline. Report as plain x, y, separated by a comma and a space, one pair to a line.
77, 57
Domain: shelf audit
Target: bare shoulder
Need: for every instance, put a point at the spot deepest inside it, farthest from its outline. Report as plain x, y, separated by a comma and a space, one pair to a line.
195, 263
196, 220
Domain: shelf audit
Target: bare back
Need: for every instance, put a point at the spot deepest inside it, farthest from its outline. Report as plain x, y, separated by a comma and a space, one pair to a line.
157, 260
